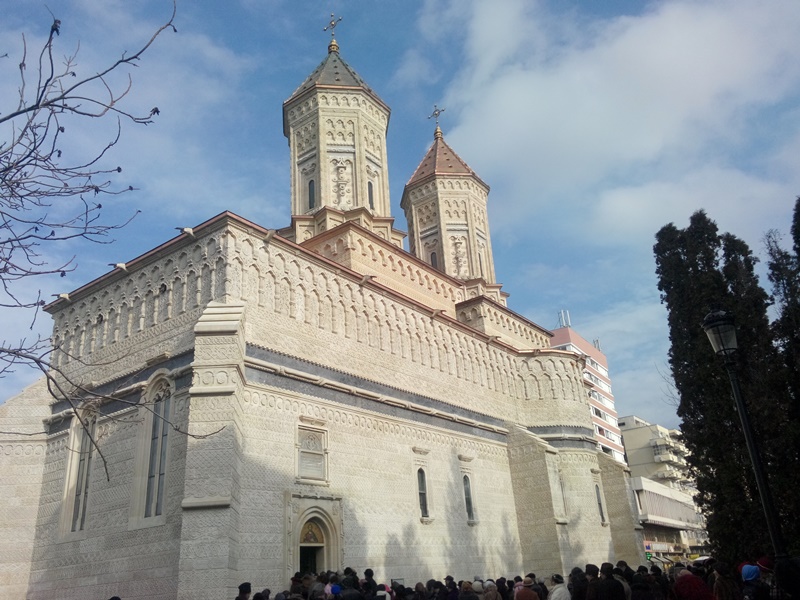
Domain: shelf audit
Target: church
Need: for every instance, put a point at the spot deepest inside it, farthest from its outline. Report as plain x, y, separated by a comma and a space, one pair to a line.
244, 402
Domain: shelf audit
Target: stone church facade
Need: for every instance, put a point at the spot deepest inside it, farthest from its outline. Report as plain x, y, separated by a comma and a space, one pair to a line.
345, 402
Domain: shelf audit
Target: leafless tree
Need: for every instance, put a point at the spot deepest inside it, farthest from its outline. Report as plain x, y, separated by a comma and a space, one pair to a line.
41, 182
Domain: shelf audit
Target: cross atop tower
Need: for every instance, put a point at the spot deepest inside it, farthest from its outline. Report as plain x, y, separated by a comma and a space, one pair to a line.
333, 46
435, 114
437, 134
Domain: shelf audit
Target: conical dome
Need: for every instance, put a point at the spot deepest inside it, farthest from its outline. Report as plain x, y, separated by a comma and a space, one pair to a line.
333, 72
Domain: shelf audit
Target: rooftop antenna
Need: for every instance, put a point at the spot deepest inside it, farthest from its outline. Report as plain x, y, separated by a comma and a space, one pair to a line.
563, 318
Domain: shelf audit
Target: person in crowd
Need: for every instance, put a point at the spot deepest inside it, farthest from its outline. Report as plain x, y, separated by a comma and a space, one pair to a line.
724, 586
370, 586
593, 577
640, 589
558, 589
752, 586
466, 592
477, 587
608, 587
619, 575
578, 584
490, 591
627, 572
244, 591
690, 587
538, 586
526, 592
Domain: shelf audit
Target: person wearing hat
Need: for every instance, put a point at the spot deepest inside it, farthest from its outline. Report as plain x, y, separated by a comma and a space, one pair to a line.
244, 591
578, 584
609, 588
558, 589
752, 586
526, 592
593, 577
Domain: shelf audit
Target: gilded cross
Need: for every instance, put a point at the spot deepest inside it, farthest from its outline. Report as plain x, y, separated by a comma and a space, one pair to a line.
435, 114
332, 25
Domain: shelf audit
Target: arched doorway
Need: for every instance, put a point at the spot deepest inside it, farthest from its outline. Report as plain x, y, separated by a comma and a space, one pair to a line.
312, 547
314, 534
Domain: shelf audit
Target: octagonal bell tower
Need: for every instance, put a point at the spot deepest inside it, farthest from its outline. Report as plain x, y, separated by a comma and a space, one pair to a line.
336, 126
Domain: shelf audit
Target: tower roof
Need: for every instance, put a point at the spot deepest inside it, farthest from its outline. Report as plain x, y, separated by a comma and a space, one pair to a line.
441, 160
334, 72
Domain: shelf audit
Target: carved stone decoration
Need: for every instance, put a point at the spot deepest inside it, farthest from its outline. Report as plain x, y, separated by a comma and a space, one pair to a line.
458, 256
427, 215
342, 183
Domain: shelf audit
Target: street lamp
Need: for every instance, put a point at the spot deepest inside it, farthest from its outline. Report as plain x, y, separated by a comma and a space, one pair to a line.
719, 327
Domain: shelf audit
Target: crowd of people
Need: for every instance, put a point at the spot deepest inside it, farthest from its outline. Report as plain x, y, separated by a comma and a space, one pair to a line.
711, 581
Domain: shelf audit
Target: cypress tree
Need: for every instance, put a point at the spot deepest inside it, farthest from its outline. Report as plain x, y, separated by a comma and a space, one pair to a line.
700, 270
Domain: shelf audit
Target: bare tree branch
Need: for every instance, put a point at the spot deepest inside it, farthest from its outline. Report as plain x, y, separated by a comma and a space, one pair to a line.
39, 183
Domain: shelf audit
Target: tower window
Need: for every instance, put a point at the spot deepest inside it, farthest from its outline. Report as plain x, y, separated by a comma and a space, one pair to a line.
434, 260
480, 264
370, 195
423, 493
468, 498
311, 197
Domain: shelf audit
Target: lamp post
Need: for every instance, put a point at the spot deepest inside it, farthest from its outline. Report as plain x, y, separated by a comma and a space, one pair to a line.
719, 327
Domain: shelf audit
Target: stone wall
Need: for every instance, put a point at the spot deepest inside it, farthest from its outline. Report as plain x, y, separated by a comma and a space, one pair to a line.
22, 461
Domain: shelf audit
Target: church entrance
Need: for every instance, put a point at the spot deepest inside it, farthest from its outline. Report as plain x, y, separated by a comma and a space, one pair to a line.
313, 533
312, 547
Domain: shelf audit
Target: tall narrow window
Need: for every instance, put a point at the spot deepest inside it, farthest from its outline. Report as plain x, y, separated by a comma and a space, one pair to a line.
480, 264
84, 451
599, 503
468, 498
157, 462
423, 493
370, 195
311, 198
434, 260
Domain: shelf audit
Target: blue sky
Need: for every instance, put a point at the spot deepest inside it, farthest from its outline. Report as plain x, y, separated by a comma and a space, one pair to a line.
595, 123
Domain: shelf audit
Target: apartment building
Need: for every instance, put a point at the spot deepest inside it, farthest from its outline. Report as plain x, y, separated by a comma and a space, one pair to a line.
601, 399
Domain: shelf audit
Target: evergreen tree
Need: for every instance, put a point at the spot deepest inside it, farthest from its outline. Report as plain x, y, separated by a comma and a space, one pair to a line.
700, 270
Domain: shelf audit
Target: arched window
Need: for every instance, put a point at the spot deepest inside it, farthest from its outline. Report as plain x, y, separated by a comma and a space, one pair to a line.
468, 498
83, 472
480, 264
157, 459
370, 195
311, 198
599, 503
423, 493
434, 260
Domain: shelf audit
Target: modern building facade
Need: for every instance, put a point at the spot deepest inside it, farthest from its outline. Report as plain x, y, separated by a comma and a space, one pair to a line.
601, 399
252, 401
673, 527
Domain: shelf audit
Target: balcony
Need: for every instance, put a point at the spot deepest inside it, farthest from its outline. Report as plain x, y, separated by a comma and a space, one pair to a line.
670, 474
671, 459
